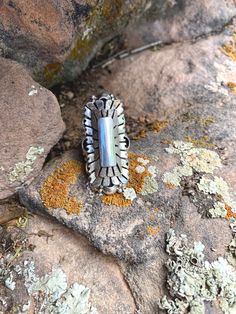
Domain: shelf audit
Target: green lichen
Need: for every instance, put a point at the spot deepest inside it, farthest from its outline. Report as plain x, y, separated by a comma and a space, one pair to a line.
218, 210
174, 178
10, 283
52, 294
203, 162
129, 194
200, 159
217, 186
75, 300
150, 185
22, 169
192, 281
191, 158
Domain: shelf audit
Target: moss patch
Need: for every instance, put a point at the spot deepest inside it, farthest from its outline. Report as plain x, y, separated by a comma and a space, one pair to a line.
55, 190
52, 70
81, 49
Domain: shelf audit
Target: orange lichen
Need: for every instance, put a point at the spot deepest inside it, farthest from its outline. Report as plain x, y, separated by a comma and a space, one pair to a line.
232, 87
156, 209
166, 141
117, 199
152, 230
206, 121
55, 190
152, 217
140, 134
136, 181
202, 141
170, 185
157, 125
230, 213
229, 49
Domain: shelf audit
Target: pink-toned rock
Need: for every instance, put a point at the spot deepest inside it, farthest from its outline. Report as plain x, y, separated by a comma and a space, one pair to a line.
56, 40
161, 83
81, 263
30, 124
176, 21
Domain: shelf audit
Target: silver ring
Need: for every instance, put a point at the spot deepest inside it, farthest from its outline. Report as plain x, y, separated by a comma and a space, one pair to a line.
106, 144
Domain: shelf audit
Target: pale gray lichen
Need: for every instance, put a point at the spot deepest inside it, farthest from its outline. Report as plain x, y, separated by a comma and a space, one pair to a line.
193, 281
152, 170
192, 158
231, 254
217, 186
140, 169
218, 210
6, 273
22, 169
75, 300
143, 161
53, 295
204, 162
129, 193
150, 185
9, 282
176, 175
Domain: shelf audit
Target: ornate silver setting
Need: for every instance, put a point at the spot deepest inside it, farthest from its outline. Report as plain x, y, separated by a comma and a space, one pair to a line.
106, 144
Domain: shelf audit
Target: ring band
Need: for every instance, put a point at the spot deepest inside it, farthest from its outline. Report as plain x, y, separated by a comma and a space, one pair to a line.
106, 144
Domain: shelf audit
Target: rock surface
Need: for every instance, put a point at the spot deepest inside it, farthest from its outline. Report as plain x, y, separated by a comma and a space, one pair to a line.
49, 245
56, 40
178, 21
163, 82
30, 124
81, 263
190, 175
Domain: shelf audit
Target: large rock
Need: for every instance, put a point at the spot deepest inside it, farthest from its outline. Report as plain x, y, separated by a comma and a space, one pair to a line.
177, 21
47, 246
182, 175
160, 83
81, 263
30, 124
56, 40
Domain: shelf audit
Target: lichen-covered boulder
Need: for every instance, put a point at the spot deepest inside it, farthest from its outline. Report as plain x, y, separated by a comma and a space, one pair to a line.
56, 40
73, 279
182, 172
30, 124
